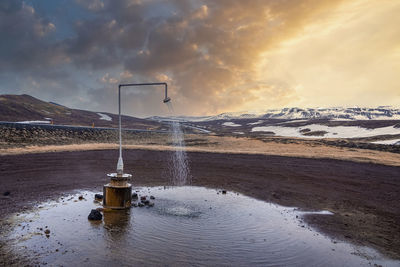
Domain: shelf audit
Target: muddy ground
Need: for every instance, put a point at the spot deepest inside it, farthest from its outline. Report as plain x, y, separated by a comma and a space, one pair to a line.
364, 197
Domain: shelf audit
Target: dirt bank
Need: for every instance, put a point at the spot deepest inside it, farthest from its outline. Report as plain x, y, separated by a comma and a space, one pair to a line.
365, 197
227, 145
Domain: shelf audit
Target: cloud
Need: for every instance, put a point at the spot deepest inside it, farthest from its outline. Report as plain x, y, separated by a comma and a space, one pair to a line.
217, 56
107, 79
24, 34
93, 5
350, 56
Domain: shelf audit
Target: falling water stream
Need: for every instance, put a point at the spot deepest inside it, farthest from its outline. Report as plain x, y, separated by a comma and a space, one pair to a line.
179, 164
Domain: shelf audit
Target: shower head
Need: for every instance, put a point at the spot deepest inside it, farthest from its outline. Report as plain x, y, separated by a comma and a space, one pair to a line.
166, 100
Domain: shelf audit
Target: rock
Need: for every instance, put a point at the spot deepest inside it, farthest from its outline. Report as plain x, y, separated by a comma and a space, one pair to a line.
140, 204
152, 197
98, 197
143, 198
80, 197
95, 215
134, 196
7, 193
47, 231
224, 192
146, 202
275, 195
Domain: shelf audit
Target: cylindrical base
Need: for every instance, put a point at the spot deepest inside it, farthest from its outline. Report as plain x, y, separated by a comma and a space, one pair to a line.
117, 196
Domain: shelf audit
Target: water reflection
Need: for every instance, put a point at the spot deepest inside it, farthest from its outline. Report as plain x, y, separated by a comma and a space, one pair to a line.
187, 226
117, 220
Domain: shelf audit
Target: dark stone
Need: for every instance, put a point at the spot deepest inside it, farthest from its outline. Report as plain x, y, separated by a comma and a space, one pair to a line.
47, 231
224, 192
95, 215
152, 197
98, 196
143, 198
7, 193
80, 197
134, 196
275, 195
146, 202
140, 204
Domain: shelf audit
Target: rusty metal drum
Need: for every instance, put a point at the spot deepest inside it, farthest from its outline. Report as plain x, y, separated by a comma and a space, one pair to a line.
118, 193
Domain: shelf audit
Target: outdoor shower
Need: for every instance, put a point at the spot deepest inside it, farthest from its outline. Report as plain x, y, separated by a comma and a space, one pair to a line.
118, 193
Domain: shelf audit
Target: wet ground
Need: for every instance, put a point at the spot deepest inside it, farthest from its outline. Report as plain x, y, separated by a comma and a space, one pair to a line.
364, 197
187, 226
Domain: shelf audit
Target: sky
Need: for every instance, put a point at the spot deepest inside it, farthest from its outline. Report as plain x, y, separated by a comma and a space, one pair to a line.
216, 55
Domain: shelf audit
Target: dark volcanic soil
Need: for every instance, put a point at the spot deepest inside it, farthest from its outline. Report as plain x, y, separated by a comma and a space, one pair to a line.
364, 197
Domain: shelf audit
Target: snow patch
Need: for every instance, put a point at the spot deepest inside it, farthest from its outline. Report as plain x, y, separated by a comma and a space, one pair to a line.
330, 132
388, 142
34, 122
291, 121
255, 123
230, 124
104, 117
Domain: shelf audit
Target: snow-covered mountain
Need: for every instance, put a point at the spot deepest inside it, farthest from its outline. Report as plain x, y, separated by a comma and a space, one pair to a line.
379, 113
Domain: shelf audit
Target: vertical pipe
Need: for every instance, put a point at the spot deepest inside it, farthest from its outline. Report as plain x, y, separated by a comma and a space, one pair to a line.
120, 164
119, 117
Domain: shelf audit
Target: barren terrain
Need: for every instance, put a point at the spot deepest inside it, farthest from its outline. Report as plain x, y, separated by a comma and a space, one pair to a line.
364, 197
360, 186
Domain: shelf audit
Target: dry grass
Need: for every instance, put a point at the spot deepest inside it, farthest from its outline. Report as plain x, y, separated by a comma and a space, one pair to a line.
231, 145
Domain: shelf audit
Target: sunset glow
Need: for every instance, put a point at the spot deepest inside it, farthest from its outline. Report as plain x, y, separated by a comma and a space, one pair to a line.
217, 56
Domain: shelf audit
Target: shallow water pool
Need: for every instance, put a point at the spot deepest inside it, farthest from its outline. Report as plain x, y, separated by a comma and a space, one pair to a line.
187, 226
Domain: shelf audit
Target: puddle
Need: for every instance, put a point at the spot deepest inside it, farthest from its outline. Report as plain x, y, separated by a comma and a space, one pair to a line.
187, 226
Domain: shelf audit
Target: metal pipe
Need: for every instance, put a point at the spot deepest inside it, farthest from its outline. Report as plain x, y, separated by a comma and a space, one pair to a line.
120, 164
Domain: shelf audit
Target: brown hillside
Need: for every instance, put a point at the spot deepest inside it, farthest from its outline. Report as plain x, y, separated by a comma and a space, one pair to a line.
16, 108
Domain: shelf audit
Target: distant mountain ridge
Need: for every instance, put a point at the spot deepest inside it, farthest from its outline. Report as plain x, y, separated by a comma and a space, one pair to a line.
28, 109
379, 113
